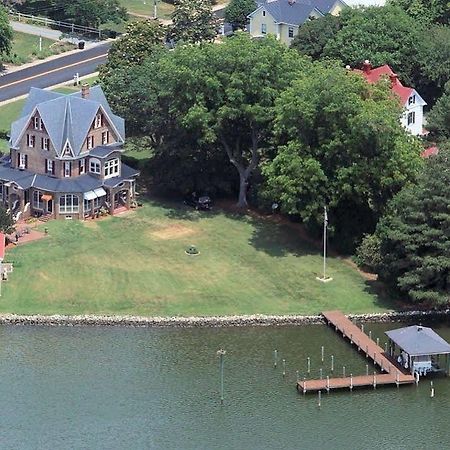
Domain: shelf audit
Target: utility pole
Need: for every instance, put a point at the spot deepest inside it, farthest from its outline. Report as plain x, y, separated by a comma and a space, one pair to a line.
155, 9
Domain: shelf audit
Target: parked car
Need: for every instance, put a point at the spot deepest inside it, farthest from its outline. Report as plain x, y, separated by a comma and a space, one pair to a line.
203, 202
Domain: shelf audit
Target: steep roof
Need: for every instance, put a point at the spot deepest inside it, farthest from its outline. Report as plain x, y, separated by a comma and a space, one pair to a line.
417, 340
291, 13
375, 75
67, 118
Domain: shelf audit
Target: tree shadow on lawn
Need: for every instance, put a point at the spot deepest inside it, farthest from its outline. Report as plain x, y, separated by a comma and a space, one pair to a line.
281, 239
385, 297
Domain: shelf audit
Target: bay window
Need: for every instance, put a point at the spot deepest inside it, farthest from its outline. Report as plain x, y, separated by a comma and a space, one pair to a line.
68, 204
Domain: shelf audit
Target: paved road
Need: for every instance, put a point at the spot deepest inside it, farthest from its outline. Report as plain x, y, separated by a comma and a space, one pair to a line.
52, 72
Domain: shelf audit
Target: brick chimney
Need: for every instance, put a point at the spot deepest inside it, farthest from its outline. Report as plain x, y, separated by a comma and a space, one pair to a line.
367, 67
394, 79
85, 90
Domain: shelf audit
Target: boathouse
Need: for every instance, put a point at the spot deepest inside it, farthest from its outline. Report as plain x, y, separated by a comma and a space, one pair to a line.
419, 350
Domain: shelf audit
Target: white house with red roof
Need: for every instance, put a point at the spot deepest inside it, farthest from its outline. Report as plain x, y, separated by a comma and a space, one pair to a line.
412, 102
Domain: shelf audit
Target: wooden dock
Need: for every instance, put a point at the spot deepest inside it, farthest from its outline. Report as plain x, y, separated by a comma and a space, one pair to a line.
391, 373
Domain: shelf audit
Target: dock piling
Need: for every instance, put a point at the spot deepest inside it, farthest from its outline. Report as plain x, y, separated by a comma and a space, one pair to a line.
397, 378
275, 358
297, 375
309, 364
328, 383
362, 327
343, 371
431, 389
319, 399
374, 380
367, 369
378, 342
320, 372
284, 368
351, 382
332, 363
322, 352
370, 334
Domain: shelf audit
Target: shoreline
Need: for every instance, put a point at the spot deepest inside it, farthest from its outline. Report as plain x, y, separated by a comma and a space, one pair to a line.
211, 321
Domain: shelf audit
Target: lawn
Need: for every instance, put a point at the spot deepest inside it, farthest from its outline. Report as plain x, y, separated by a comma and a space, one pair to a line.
25, 48
136, 264
146, 8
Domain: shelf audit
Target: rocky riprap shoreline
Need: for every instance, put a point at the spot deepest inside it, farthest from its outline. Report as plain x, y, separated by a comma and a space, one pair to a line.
213, 321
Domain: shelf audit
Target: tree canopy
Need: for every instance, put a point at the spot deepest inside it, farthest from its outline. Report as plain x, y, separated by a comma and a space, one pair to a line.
438, 119
427, 11
193, 21
237, 11
341, 145
6, 221
415, 236
314, 34
89, 13
6, 32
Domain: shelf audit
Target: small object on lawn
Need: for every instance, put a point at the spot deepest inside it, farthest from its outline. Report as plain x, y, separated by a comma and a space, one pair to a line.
46, 230
274, 207
192, 251
17, 237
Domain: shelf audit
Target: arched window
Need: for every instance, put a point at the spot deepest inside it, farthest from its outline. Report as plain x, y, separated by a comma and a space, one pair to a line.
94, 165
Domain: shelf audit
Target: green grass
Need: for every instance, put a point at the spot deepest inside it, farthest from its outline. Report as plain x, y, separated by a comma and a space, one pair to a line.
147, 8
25, 48
136, 264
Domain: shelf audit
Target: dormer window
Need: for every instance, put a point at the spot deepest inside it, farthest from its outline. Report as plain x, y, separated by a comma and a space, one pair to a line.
37, 123
105, 137
94, 166
112, 168
31, 140
90, 142
98, 121
412, 100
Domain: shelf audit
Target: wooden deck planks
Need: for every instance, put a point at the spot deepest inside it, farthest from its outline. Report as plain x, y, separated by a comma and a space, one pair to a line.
394, 374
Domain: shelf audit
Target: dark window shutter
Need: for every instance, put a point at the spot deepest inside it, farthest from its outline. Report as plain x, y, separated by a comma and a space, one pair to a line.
45, 167
53, 168
26, 161
18, 159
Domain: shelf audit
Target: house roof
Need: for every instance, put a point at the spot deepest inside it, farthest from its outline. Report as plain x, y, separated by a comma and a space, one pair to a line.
81, 184
67, 118
430, 151
103, 151
417, 340
375, 75
291, 13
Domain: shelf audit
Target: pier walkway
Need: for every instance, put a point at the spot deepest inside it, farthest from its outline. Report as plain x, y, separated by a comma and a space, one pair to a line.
393, 374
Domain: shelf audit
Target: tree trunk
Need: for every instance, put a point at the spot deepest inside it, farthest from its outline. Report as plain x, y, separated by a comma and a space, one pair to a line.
243, 184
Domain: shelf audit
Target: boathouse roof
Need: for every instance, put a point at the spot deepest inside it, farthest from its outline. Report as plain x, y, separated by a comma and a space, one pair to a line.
418, 340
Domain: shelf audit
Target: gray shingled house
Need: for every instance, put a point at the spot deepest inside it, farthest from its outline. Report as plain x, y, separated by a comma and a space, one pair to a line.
65, 157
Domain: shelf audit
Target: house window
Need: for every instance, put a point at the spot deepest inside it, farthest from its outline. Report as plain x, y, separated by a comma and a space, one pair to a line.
31, 140
90, 142
412, 100
94, 165
37, 123
411, 118
45, 143
112, 167
290, 32
81, 166
263, 28
105, 137
264, 14
87, 204
68, 204
67, 150
50, 166
67, 169
22, 161
38, 203
98, 121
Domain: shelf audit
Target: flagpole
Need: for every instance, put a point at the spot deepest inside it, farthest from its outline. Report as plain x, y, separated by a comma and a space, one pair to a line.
324, 278
325, 223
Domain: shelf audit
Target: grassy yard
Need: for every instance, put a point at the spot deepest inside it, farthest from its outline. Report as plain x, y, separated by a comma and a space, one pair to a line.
25, 48
146, 8
136, 264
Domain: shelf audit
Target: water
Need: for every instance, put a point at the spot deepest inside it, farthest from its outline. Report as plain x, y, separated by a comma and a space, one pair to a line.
125, 388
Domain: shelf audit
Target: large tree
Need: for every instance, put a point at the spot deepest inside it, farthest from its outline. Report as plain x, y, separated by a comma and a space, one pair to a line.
426, 11
384, 35
193, 21
415, 236
314, 34
91, 13
6, 32
340, 145
237, 11
438, 119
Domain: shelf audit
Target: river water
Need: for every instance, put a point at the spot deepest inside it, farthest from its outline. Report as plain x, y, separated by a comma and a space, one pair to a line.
141, 388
